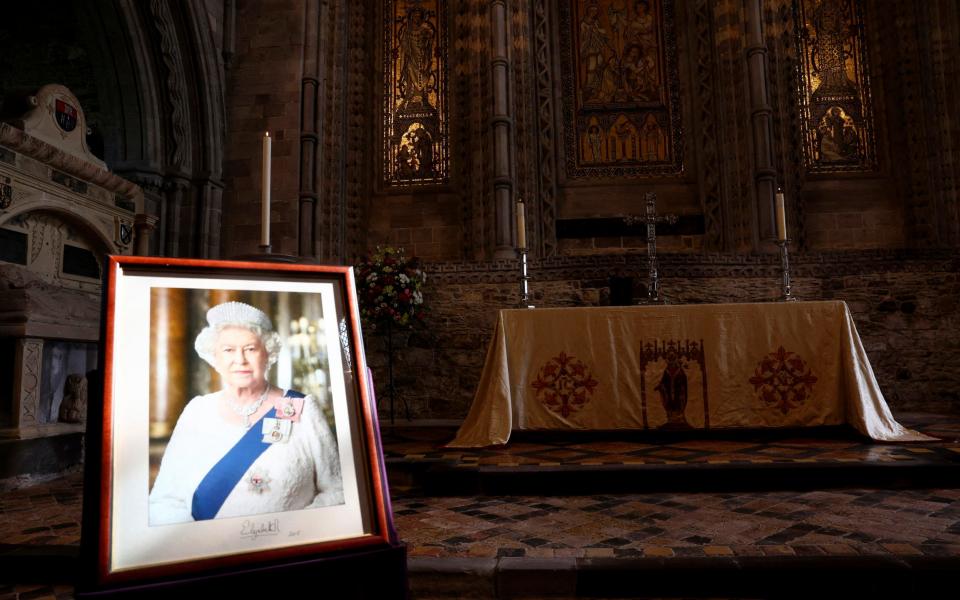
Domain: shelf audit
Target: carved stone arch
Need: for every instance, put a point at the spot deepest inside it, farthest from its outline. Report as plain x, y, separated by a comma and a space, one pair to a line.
76, 218
49, 230
133, 146
162, 79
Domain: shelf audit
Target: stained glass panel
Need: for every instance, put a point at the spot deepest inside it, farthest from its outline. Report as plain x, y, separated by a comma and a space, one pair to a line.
834, 87
415, 144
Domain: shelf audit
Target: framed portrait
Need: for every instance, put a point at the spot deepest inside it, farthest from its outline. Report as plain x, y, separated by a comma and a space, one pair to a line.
238, 426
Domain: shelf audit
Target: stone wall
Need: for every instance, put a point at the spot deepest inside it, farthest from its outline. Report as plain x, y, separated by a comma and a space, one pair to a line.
263, 94
905, 304
424, 224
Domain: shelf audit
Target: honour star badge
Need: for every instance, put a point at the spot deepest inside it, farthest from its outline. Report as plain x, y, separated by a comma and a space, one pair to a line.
259, 482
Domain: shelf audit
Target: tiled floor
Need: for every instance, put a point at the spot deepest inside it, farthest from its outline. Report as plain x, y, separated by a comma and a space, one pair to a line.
835, 522
36, 592
839, 523
47, 514
819, 523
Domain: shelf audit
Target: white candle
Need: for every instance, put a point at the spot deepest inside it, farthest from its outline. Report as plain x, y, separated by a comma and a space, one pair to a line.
265, 193
521, 226
781, 216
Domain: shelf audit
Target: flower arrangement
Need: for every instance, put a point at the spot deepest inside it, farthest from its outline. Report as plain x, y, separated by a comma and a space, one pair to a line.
389, 288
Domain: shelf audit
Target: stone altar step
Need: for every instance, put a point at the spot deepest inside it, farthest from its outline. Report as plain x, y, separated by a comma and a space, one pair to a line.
649, 578
622, 462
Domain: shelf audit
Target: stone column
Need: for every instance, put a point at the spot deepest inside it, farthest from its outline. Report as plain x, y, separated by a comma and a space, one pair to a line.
28, 370
502, 125
210, 200
143, 226
309, 104
176, 216
764, 172
229, 32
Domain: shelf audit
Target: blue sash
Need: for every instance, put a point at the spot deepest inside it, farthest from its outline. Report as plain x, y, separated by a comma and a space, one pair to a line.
224, 476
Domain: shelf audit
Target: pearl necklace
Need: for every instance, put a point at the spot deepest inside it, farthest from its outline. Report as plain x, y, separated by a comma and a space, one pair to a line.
246, 411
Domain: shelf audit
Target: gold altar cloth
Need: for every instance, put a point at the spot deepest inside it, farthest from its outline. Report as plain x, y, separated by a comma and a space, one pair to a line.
783, 364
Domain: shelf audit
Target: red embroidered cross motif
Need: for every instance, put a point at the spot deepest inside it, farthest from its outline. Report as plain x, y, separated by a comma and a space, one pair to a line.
564, 384
783, 380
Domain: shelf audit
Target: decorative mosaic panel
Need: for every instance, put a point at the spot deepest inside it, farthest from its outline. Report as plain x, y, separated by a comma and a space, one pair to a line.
415, 144
620, 88
834, 86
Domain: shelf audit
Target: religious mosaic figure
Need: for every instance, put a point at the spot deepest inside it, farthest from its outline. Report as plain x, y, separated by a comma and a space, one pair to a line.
625, 135
594, 137
642, 29
416, 58
415, 155
653, 139
639, 74
838, 139
593, 39
406, 162
829, 54
423, 148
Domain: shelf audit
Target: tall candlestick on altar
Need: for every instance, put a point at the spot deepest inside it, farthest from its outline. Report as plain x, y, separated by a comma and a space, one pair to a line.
265, 193
521, 226
781, 217
522, 253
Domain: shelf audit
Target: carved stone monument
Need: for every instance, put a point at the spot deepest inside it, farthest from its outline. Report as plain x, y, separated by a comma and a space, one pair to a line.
61, 212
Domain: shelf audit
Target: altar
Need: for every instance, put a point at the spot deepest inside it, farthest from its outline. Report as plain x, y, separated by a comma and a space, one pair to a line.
688, 367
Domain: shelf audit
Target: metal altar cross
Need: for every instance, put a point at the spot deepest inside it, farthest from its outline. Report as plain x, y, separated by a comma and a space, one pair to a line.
650, 218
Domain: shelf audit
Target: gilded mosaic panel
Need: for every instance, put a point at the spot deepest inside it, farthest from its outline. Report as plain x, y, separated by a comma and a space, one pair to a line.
415, 144
620, 88
834, 87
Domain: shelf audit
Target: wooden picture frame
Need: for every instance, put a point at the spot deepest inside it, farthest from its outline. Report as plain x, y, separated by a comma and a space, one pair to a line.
125, 543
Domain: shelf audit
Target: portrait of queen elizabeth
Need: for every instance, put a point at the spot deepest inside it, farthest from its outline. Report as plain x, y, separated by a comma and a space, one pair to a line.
251, 447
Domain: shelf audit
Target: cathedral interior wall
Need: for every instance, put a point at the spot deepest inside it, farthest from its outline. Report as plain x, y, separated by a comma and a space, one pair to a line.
883, 238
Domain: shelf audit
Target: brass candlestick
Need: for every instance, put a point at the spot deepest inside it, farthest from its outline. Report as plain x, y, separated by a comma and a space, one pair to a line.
524, 280
786, 291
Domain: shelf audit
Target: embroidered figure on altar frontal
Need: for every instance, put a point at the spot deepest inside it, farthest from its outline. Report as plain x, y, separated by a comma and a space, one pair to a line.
673, 390
680, 386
